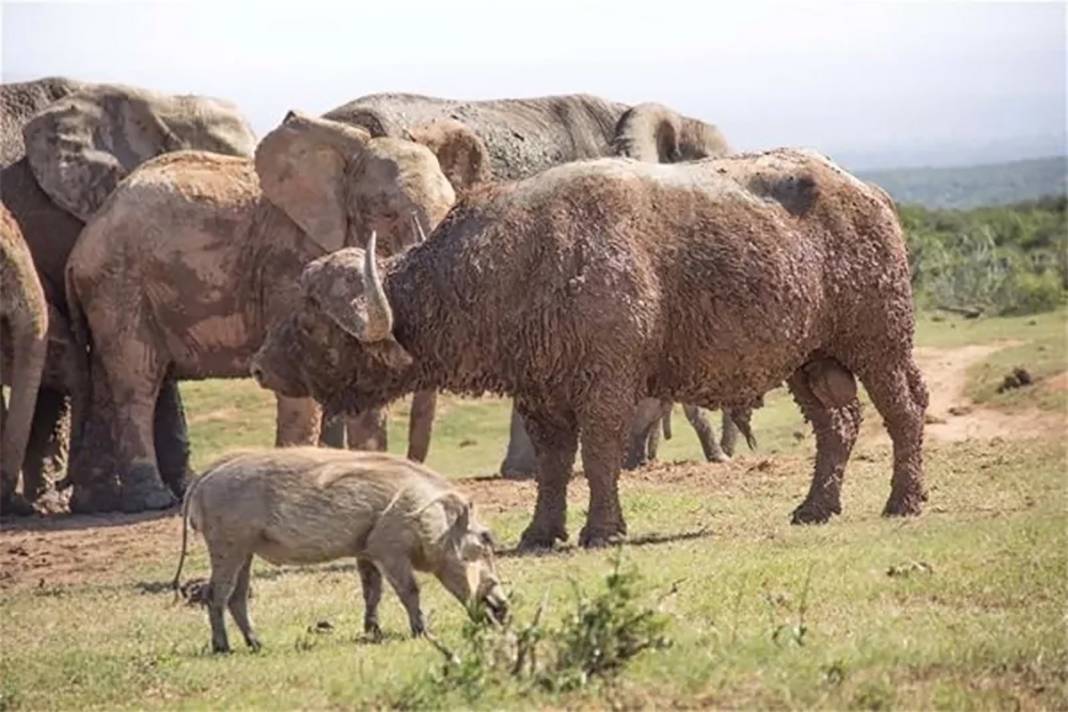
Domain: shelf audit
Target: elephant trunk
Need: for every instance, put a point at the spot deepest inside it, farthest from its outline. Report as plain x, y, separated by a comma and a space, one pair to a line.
654, 133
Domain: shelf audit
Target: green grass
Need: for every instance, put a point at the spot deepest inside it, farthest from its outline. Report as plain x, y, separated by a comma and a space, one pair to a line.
972, 618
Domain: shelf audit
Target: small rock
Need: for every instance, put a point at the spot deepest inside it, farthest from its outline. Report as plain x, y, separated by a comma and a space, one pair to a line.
468, 443
960, 410
798, 435
930, 419
322, 627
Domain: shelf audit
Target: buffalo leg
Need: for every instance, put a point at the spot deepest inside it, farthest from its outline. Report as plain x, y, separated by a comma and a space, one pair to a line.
604, 435
836, 429
555, 439
900, 396
299, 420
729, 436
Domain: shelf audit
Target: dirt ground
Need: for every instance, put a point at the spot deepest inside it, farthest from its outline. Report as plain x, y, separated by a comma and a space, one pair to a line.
63, 550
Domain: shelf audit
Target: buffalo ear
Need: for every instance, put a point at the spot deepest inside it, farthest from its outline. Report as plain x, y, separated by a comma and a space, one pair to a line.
390, 353
301, 166
460, 152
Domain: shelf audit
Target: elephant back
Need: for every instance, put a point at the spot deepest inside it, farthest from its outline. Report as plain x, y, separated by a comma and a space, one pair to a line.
81, 146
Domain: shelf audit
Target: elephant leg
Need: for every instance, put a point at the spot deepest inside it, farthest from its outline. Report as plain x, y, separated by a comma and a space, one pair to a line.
729, 436
421, 424
554, 435
647, 420
703, 427
171, 434
135, 374
28, 366
332, 432
93, 469
299, 420
836, 429
899, 394
604, 425
46, 449
368, 431
520, 460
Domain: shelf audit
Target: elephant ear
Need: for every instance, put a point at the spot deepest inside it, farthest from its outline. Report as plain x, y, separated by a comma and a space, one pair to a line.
82, 145
655, 134
460, 152
301, 166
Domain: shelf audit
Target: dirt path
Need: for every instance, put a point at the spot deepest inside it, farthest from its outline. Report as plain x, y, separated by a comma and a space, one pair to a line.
953, 416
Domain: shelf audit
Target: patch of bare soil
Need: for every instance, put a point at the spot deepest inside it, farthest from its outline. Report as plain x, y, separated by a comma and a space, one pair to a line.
68, 550
953, 416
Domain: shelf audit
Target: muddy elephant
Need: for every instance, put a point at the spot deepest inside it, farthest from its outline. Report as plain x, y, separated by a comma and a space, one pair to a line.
196, 254
23, 332
525, 136
66, 144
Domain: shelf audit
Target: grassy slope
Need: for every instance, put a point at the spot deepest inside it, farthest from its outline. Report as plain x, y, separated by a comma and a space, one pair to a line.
984, 628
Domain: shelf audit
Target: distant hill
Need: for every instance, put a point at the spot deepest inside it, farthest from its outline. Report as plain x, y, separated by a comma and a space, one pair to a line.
973, 186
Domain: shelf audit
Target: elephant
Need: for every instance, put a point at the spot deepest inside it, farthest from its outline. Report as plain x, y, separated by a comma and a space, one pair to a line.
654, 415
526, 136
23, 331
196, 254
65, 145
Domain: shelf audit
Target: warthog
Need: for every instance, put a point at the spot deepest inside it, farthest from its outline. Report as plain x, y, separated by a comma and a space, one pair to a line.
309, 505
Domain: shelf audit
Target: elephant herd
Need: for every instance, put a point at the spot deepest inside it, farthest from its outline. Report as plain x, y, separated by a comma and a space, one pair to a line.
169, 244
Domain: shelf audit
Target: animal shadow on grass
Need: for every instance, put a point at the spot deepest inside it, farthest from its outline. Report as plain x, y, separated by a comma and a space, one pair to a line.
650, 539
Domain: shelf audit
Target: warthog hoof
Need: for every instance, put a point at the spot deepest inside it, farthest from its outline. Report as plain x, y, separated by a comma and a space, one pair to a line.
142, 489
907, 504
536, 537
812, 512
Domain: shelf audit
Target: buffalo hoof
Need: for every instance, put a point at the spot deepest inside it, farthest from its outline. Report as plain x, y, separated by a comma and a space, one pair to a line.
814, 512
535, 537
598, 537
905, 505
720, 457
143, 490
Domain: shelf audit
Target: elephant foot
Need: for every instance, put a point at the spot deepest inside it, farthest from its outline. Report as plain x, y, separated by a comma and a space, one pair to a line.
16, 505
813, 512
178, 484
541, 537
599, 535
142, 490
517, 470
905, 504
87, 499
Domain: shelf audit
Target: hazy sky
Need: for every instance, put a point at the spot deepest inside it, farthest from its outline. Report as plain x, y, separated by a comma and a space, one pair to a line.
872, 84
